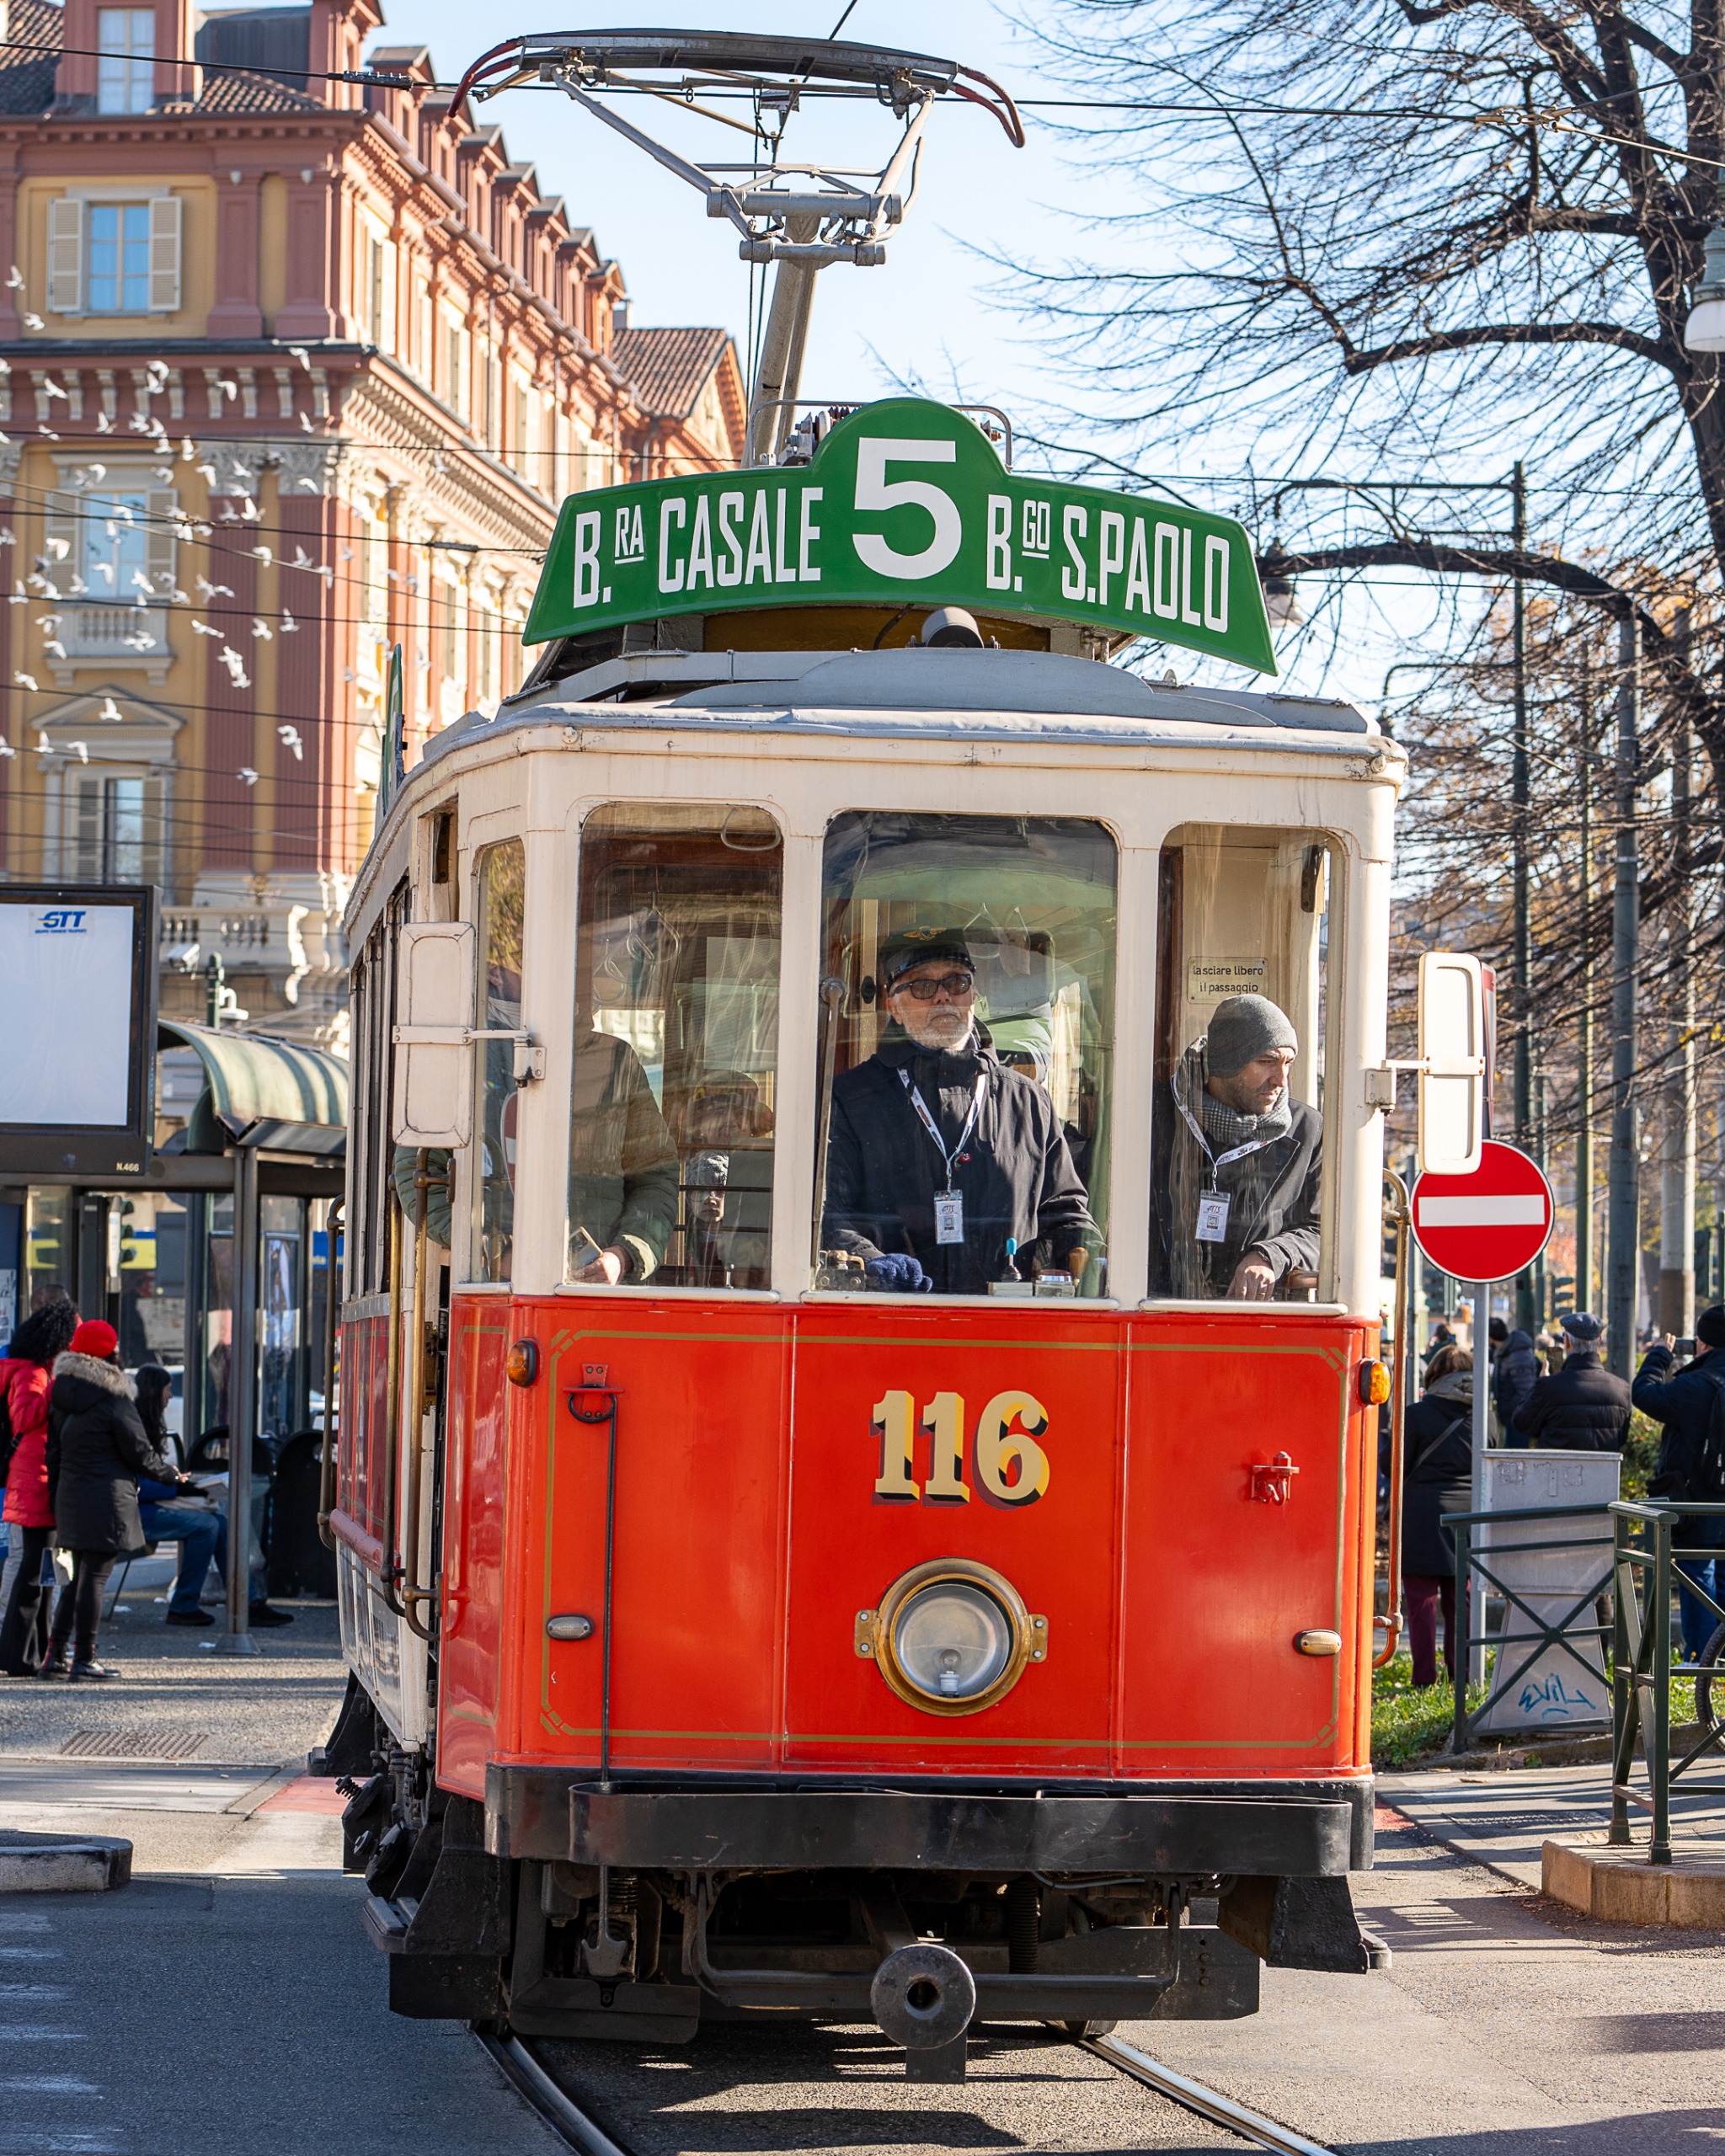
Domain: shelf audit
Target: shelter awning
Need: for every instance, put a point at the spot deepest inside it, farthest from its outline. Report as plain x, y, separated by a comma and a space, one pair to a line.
252, 1080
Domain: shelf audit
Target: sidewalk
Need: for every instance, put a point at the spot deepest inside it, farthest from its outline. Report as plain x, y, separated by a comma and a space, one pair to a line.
1498, 1820
227, 2003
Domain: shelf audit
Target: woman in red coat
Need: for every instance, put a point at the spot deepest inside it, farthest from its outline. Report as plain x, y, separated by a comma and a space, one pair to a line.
26, 1372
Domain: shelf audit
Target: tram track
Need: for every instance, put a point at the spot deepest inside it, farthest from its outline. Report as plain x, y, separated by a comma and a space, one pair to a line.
561, 2110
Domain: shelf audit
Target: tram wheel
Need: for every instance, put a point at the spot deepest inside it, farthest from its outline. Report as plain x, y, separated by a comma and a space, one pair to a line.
1710, 1656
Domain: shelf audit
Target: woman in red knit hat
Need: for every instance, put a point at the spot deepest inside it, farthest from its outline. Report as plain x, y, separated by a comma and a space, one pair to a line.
27, 1373
97, 1450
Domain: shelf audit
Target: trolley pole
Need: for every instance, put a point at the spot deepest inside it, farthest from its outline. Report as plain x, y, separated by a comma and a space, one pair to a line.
1623, 1256
1585, 1023
1521, 798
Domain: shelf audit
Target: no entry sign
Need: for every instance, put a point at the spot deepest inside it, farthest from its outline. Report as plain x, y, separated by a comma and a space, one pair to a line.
1487, 1226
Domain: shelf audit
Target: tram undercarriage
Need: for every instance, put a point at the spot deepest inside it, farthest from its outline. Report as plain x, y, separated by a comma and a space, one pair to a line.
636, 1935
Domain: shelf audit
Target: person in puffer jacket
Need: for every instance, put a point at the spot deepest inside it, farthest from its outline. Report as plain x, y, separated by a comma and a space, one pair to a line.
1515, 1370
97, 1450
25, 1374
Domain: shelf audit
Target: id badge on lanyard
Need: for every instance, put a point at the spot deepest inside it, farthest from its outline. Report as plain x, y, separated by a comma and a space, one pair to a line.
948, 1204
950, 1216
1213, 1216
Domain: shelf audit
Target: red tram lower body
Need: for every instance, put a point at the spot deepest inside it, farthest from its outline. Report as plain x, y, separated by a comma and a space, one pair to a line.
1184, 1502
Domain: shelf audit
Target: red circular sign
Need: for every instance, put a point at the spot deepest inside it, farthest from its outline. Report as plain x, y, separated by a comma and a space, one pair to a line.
1488, 1225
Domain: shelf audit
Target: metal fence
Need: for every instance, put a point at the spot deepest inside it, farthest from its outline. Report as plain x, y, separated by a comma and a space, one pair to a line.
1564, 1631
1644, 1563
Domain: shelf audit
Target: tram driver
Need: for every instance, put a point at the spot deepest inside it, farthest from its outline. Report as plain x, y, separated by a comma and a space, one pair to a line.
947, 1170
1238, 1199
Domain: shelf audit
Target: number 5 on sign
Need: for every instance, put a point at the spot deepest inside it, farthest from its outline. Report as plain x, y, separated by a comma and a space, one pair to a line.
1011, 1467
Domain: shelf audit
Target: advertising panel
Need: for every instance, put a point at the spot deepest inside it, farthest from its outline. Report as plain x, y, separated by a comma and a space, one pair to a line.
77, 977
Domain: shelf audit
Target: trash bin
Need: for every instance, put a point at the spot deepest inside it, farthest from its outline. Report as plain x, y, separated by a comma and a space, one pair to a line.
300, 1562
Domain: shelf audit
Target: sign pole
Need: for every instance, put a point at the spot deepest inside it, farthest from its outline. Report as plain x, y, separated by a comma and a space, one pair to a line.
1481, 1436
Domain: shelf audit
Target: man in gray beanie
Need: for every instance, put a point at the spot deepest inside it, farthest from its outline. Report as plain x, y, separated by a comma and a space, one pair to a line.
1239, 1165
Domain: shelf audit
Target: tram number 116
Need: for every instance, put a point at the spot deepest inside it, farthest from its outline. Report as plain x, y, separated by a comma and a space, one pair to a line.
1010, 1468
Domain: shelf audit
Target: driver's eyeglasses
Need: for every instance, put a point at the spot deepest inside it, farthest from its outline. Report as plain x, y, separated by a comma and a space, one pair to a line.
925, 990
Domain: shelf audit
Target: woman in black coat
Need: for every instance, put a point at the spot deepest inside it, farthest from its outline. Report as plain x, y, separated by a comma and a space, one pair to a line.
97, 1450
1437, 1479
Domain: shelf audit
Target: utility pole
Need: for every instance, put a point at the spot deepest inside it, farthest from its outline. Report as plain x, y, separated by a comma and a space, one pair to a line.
1584, 1030
1678, 1146
1623, 1209
1521, 798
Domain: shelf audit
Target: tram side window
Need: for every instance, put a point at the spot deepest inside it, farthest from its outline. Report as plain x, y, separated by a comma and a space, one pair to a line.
500, 877
1238, 1127
677, 1047
964, 1079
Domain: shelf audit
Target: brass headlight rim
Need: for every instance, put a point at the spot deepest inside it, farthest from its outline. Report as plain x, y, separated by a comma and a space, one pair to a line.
933, 1573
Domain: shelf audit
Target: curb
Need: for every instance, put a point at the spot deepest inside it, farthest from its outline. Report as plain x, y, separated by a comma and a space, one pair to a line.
46, 1864
1619, 1885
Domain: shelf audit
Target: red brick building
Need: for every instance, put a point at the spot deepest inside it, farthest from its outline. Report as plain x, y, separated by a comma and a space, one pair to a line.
297, 368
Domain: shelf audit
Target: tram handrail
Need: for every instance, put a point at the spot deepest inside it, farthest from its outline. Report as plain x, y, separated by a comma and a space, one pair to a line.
1402, 1215
392, 1410
333, 1223
832, 997
412, 1593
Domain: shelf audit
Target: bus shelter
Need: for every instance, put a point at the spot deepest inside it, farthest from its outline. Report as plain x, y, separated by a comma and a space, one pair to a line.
214, 1261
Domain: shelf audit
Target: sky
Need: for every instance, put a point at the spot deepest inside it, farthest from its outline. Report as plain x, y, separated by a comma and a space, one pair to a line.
930, 314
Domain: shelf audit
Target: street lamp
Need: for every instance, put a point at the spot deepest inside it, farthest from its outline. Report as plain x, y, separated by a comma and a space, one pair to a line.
1281, 601
1705, 330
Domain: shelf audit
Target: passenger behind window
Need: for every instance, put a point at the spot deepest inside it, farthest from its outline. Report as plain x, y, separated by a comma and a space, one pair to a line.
727, 1181
1238, 1208
948, 1170
623, 1167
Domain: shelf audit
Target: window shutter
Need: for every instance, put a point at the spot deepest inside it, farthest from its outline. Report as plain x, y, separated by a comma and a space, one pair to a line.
84, 805
164, 254
65, 530
65, 256
156, 831
158, 541
388, 331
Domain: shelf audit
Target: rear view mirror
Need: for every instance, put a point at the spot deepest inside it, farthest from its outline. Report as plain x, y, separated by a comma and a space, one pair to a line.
433, 1065
1452, 1063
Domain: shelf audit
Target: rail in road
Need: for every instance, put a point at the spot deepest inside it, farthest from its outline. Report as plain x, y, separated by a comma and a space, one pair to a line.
562, 2109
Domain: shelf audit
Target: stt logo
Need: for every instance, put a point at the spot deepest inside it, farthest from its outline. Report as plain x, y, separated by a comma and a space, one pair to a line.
62, 920
1011, 1467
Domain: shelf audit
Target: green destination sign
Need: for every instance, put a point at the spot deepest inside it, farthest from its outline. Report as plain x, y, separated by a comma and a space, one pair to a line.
904, 502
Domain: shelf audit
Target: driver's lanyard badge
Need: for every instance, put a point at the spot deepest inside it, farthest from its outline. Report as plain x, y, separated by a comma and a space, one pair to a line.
948, 1204
1213, 1204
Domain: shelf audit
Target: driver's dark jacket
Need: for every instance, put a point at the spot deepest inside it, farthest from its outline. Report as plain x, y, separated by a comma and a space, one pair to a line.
1015, 1175
1275, 1195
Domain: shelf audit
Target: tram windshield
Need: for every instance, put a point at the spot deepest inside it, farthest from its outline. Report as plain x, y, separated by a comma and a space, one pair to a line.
966, 1044
1238, 1152
677, 1047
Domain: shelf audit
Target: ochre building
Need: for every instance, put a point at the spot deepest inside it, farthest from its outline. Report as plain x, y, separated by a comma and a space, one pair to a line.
297, 369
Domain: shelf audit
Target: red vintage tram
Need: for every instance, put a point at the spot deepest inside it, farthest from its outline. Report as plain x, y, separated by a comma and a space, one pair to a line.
736, 1626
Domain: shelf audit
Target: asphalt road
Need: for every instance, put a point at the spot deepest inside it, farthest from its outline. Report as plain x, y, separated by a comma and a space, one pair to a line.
228, 2004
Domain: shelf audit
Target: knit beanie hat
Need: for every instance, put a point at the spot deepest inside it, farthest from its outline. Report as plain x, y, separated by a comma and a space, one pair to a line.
1242, 1028
96, 1338
1710, 1327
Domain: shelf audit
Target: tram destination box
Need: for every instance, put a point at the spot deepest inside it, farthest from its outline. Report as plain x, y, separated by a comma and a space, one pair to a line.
77, 1078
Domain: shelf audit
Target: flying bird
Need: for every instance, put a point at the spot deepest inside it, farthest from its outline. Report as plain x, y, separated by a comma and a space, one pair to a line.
261, 629
25, 681
203, 629
55, 649
104, 425
304, 422
290, 735
236, 666
247, 774
299, 351
287, 625
213, 590
14, 283
83, 753
33, 321
111, 710
264, 555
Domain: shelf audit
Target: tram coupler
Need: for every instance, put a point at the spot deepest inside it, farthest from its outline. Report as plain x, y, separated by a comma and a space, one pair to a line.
924, 1996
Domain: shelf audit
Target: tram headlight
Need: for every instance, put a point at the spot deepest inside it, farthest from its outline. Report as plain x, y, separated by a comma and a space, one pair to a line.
952, 1637
951, 1641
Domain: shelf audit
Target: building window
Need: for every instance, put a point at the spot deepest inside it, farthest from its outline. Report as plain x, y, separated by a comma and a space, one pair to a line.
115, 829
114, 258
118, 258
125, 73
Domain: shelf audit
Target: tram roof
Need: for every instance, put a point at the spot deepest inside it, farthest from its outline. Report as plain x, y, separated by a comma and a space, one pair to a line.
929, 693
